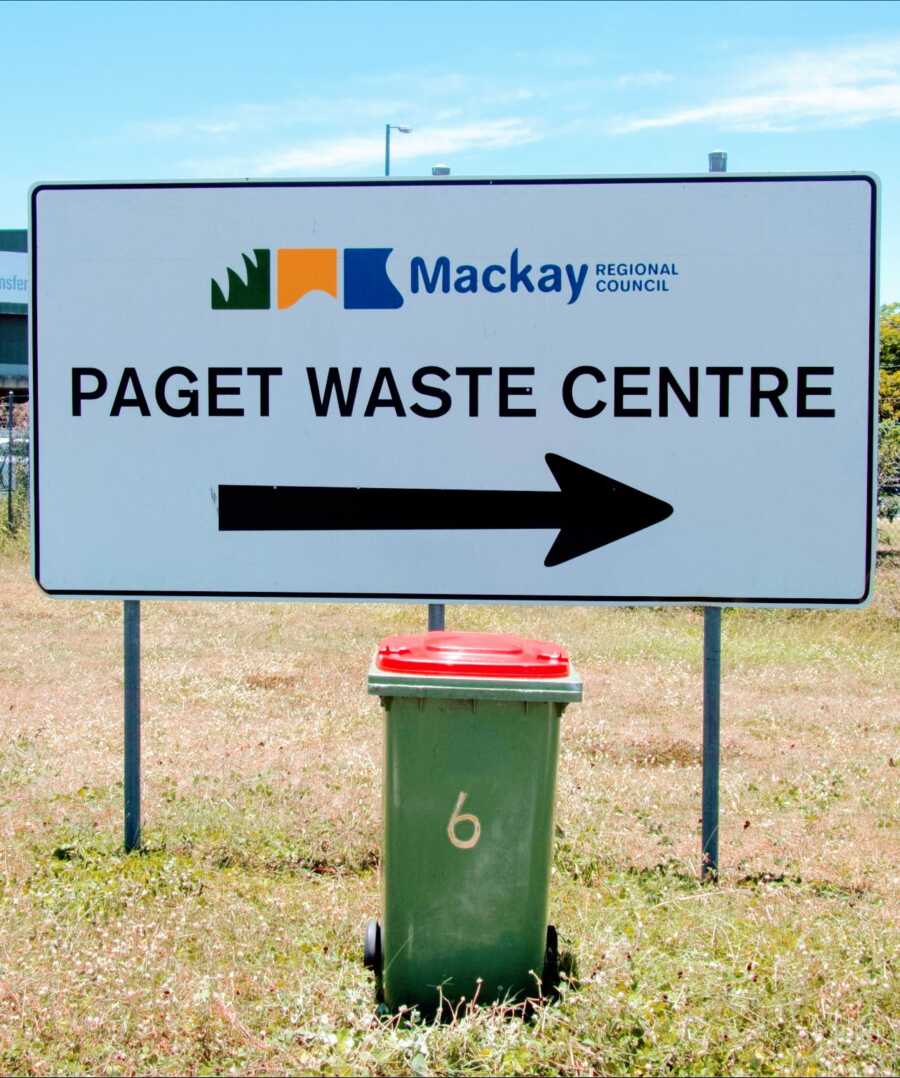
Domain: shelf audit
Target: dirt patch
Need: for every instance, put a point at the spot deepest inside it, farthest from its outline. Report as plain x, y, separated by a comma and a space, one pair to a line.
663, 754
270, 681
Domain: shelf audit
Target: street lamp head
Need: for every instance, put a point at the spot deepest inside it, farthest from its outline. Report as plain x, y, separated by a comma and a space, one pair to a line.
387, 143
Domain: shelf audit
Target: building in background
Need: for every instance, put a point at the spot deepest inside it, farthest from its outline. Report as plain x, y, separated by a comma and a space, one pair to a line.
14, 272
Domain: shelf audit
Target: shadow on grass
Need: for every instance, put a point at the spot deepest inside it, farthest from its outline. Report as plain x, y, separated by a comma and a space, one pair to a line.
653, 882
819, 888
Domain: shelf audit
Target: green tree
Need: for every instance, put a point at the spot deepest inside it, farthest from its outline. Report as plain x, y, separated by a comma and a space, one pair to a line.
890, 337
888, 469
889, 397
889, 413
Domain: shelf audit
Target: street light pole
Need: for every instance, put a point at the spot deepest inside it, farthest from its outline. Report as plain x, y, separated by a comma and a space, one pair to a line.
387, 143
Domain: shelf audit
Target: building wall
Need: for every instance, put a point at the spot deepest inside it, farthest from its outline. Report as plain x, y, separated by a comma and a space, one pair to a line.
13, 324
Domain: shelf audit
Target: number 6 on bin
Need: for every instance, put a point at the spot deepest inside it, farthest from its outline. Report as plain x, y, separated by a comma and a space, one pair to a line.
458, 818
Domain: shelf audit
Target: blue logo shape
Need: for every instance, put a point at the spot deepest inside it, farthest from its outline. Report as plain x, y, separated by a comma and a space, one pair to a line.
367, 286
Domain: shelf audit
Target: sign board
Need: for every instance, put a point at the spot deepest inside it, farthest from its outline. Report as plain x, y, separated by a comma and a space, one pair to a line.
13, 277
612, 390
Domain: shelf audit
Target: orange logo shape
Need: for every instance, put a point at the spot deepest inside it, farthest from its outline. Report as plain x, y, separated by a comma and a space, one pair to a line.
305, 269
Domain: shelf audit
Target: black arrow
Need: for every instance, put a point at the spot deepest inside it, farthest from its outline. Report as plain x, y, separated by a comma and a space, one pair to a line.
589, 509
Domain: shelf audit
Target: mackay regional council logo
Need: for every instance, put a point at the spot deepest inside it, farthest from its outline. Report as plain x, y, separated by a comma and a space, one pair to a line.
301, 270
366, 286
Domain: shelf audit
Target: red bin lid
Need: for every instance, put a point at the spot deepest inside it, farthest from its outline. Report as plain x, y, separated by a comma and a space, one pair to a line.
472, 655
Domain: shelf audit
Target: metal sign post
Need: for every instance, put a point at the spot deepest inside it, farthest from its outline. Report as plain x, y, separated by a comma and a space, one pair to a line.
9, 460
712, 674
436, 611
712, 681
132, 653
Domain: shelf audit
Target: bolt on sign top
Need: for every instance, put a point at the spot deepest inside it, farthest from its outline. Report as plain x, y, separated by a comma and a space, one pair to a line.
619, 390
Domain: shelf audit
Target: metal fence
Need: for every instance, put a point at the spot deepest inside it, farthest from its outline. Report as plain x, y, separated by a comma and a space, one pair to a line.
14, 452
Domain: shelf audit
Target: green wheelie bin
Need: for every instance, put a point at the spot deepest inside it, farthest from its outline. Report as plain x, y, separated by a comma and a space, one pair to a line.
470, 756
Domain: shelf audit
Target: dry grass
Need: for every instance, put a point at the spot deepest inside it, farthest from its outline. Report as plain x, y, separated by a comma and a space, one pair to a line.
232, 944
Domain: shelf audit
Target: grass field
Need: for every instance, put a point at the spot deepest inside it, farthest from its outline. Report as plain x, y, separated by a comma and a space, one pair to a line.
232, 944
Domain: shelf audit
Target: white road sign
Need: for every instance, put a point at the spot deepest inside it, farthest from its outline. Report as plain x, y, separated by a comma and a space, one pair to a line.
613, 390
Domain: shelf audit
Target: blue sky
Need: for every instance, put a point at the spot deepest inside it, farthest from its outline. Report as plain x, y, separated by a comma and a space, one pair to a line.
273, 90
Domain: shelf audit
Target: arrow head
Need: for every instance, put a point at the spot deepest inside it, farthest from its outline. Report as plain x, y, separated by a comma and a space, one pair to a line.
597, 510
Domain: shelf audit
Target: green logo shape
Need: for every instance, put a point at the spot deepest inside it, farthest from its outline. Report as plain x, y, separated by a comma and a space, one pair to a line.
254, 294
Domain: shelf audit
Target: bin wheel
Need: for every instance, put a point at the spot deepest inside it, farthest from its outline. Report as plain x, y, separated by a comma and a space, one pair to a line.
372, 947
551, 962
552, 943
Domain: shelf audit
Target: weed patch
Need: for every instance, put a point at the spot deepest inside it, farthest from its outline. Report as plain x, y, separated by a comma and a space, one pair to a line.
232, 943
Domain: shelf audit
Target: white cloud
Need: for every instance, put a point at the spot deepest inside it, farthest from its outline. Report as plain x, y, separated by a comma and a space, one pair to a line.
367, 151
855, 64
641, 79
412, 98
415, 97
787, 111
830, 88
249, 119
